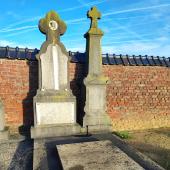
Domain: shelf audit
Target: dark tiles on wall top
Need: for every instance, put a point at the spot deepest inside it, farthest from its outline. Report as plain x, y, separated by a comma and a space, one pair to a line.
105, 59
78, 57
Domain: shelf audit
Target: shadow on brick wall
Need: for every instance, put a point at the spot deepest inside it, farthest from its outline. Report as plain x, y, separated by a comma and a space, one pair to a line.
28, 114
78, 90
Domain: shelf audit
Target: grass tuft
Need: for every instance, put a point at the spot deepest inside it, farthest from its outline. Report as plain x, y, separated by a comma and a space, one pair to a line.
123, 134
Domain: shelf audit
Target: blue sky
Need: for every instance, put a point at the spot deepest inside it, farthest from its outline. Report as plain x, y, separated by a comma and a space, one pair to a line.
130, 26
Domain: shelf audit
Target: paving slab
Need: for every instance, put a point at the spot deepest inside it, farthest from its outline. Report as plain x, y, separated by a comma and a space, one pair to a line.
95, 155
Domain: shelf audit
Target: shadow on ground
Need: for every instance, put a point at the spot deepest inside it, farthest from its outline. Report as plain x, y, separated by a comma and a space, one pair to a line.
23, 156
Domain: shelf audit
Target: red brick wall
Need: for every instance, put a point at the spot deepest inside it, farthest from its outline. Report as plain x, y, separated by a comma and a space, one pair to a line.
18, 85
137, 96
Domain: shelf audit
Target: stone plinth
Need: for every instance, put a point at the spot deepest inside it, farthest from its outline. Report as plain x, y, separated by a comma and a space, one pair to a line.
46, 131
54, 115
95, 155
96, 117
4, 134
2, 118
54, 107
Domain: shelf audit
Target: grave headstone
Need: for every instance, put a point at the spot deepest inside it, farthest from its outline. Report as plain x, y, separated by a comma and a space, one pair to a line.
54, 104
3, 130
96, 118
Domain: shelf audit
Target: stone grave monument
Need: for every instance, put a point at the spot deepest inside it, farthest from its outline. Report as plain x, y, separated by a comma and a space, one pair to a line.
54, 104
95, 117
3, 130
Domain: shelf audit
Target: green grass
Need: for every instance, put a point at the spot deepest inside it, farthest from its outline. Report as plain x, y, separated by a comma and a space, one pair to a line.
123, 134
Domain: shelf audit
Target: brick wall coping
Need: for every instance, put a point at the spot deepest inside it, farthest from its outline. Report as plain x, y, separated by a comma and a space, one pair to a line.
77, 57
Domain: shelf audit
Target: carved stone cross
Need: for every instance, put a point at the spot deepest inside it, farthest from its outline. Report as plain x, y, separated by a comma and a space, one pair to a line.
52, 26
94, 14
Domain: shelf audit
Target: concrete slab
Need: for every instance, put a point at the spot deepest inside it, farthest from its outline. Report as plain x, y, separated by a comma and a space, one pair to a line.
97, 155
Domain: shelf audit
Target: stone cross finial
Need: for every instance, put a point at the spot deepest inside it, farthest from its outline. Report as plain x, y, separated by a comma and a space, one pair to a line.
52, 26
94, 14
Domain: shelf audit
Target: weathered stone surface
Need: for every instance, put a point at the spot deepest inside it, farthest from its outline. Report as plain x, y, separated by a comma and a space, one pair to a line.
94, 14
55, 113
2, 118
94, 156
53, 26
40, 161
4, 133
53, 69
55, 130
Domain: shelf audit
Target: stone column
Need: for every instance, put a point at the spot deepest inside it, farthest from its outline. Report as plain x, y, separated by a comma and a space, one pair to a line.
54, 104
3, 130
95, 108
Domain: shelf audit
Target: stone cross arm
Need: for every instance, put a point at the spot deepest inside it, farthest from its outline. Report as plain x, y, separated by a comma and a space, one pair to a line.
53, 26
94, 14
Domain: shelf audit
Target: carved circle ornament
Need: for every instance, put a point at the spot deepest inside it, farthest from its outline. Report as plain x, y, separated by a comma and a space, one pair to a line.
53, 25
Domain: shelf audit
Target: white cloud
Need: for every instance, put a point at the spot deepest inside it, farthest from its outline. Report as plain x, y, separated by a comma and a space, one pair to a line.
13, 14
4, 43
135, 9
22, 22
19, 28
83, 4
139, 48
21, 32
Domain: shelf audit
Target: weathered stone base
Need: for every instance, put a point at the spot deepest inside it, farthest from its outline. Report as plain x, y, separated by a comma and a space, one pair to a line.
4, 135
93, 129
55, 130
97, 123
96, 118
60, 106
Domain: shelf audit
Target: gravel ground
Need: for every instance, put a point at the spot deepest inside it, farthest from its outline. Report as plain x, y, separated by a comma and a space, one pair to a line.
153, 143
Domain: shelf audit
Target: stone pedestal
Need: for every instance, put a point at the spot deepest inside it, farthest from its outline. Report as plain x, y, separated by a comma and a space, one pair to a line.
54, 115
54, 108
96, 117
4, 133
54, 104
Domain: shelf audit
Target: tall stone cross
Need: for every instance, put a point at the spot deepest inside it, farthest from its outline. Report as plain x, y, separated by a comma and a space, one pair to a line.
94, 14
93, 47
95, 117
